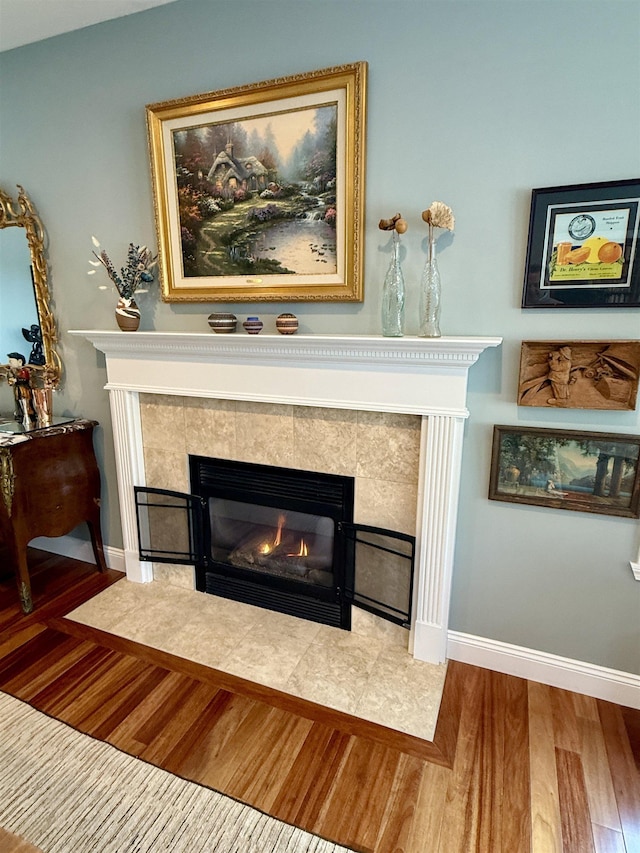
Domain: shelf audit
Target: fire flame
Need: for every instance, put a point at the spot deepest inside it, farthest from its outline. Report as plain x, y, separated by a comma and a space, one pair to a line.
281, 520
268, 547
303, 550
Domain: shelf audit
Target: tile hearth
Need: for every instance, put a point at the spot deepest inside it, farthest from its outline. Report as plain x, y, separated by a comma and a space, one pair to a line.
367, 672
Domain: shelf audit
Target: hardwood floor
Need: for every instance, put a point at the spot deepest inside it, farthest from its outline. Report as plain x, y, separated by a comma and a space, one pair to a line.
515, 766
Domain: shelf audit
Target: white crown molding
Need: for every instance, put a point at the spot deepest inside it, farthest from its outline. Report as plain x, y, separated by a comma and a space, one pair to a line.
28, 21
590, 679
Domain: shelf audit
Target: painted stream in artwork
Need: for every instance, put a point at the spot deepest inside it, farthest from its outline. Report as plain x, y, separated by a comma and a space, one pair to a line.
306, 246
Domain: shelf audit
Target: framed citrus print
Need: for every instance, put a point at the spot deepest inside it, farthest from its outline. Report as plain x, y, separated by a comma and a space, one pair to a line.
583, 247
258, 190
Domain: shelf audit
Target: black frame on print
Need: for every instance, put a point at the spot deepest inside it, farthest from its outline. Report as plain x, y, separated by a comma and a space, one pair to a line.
584, 212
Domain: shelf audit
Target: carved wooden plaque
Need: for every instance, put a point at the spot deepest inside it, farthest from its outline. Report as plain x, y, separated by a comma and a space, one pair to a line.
579, 374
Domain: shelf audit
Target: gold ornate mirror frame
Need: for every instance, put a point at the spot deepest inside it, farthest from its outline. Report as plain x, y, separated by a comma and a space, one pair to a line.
22, 214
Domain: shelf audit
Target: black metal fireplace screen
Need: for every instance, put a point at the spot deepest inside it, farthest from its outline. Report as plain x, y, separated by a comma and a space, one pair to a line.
278, 538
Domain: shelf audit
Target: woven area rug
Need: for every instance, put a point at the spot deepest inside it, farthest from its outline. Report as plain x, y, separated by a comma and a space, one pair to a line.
66, 792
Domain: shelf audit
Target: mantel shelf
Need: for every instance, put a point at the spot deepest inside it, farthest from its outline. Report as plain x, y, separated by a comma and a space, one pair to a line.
369, 372
445, 351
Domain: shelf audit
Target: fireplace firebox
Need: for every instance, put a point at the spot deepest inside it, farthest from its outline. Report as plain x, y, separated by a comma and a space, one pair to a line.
278, 538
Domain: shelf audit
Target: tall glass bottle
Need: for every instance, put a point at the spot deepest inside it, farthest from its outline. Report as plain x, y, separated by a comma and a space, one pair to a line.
430, 295
393, 295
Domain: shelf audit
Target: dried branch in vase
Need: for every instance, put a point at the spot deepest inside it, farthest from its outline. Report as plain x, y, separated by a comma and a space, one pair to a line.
393, 288
438, 215
138, 270
396, 223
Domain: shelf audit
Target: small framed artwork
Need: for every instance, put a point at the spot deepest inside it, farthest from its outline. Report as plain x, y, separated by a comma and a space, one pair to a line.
579, 374
259, 190
582, 471
583, 247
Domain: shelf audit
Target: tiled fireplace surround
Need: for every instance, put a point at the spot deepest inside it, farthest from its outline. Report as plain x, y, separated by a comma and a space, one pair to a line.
381, 450
388, 411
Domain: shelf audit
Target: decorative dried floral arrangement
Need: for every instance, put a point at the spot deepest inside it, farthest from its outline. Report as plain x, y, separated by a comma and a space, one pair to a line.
140, 262
393, 288
396, 223
438, 215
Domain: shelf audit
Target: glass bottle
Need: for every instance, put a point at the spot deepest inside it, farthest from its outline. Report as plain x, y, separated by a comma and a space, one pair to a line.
393, 295
430, 295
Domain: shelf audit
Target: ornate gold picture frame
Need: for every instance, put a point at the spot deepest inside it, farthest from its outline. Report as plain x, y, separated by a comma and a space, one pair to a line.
21, 213
259, 190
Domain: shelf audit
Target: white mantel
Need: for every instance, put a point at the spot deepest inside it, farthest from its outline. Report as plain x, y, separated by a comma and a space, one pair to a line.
420, 376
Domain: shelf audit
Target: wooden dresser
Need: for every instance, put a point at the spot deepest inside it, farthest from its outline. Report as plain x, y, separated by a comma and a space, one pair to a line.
49, 483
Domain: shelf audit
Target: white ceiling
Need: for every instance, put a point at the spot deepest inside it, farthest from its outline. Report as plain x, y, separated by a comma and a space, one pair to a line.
25, 21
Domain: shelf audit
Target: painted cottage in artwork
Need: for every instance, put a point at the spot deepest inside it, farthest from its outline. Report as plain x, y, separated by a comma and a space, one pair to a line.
229, 173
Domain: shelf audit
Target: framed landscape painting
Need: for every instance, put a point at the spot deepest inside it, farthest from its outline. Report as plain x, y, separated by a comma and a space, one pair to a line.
563, 469
258, 190
583, 247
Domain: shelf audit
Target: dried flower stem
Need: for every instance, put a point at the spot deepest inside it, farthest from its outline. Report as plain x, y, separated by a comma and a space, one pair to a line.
438, 215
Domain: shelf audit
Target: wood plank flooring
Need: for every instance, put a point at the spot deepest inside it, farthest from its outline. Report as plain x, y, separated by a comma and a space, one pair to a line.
515, 766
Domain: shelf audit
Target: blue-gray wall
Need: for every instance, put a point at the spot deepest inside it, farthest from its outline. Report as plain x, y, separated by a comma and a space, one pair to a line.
472, 103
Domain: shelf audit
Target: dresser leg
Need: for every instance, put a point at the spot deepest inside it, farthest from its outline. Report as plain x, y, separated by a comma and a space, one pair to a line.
98, 550
19, 554
24, 582
25, 597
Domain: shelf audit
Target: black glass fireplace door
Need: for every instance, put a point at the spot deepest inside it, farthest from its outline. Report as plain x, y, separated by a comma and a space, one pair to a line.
380, 566
302, 563
171, 526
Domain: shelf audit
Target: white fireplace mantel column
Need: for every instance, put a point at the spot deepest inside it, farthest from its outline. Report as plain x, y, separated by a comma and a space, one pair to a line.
421, 376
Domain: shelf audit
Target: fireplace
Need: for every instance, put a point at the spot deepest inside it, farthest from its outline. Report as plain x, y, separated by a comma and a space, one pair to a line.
278, 538
420, 376
274, 537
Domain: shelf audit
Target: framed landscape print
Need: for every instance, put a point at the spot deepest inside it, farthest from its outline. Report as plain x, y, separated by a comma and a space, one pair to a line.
579, 374
563, 469
583, 247
258, 190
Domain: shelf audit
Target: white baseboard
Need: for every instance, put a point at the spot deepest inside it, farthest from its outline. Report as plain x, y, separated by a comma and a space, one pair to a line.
578, 676
79, 549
